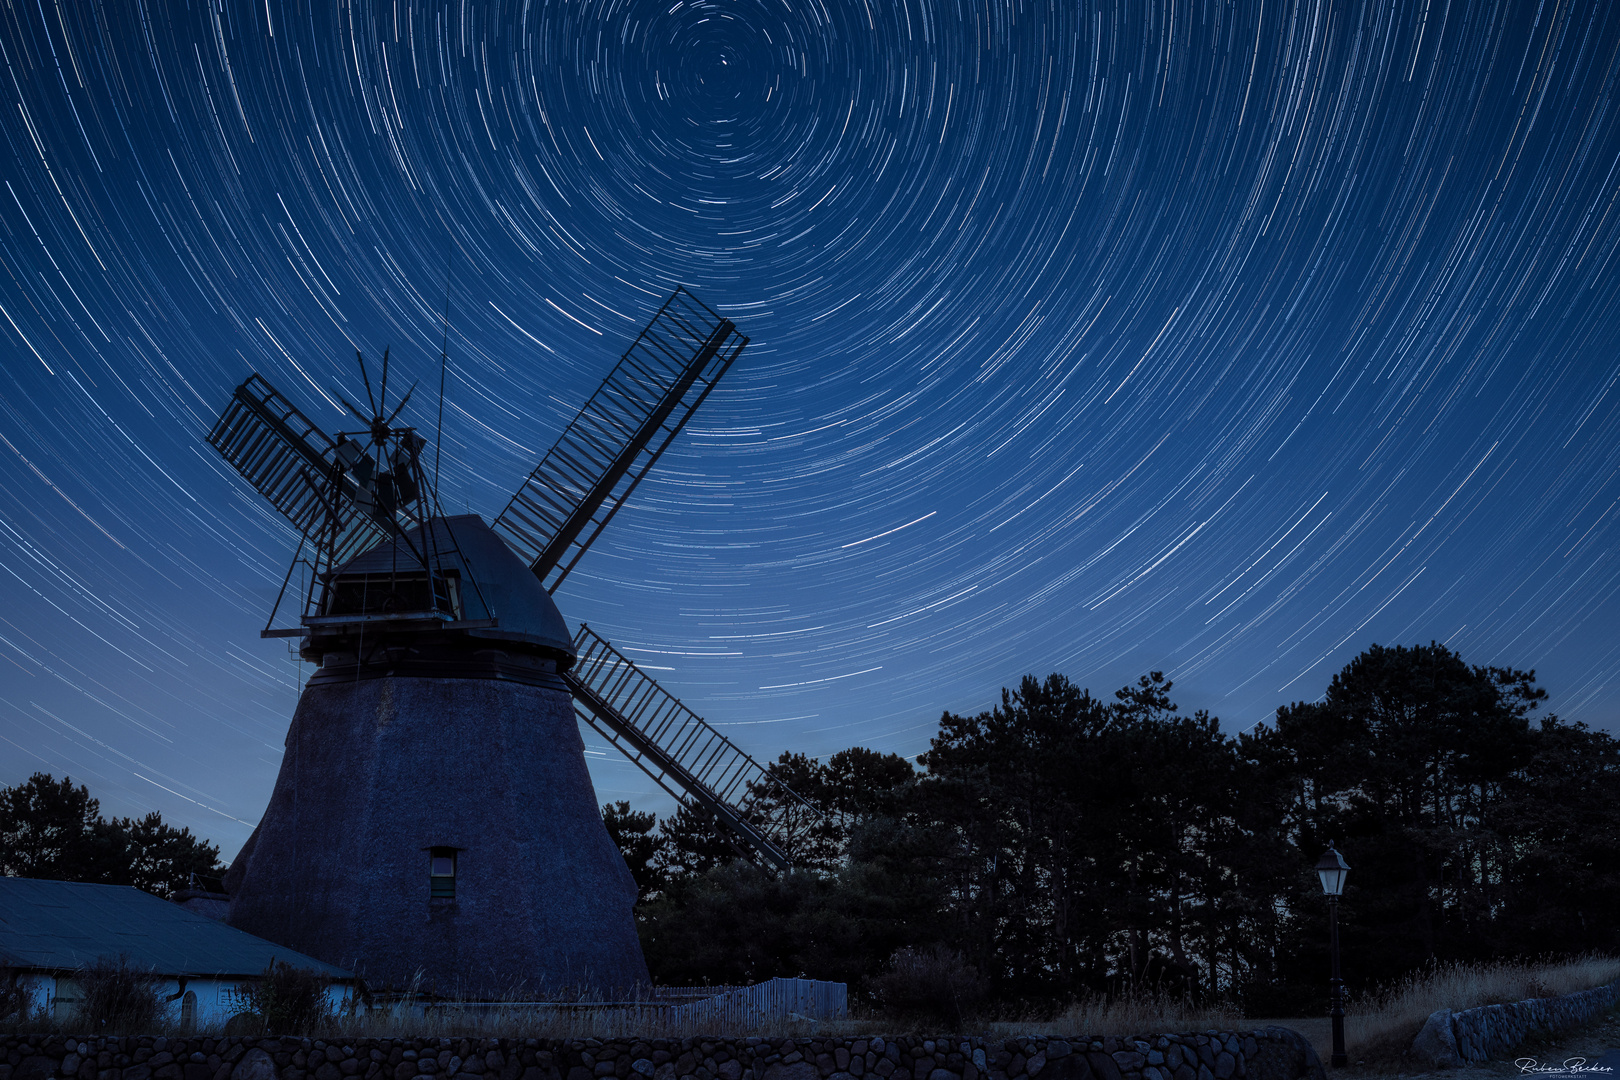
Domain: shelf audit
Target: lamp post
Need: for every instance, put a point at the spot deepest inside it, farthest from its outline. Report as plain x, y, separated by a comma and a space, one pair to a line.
1332, 869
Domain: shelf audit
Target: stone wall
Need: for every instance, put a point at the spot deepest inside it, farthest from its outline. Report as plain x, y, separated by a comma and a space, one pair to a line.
1267, 1054
1449, 1039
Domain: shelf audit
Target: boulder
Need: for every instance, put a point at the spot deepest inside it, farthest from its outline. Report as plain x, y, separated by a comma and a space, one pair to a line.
1282, 1054
255, 1065
799, 1070
1436, 1044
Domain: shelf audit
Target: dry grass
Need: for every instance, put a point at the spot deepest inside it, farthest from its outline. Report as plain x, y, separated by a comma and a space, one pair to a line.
1137, 1014
116, 998
1379, 1029
1392, 1019
1123, 1016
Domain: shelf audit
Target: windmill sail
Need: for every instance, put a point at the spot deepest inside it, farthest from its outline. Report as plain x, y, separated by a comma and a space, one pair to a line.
292, 462
620, 433
686, 757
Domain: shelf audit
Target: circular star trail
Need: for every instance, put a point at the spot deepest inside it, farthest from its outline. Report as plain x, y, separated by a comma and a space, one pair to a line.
1213, 338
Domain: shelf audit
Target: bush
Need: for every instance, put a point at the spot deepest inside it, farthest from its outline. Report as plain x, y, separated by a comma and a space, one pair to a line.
934, 987
288, 1000
13, 1000
116, 999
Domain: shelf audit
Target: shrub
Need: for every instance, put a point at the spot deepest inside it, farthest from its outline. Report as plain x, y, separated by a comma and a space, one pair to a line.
115, 998
288, 1000
13, 1000
934, 986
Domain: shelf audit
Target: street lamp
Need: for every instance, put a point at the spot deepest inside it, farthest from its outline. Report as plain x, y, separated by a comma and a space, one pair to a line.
1332, 869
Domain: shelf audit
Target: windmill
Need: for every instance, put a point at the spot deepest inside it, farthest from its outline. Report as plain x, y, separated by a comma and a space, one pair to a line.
433, 817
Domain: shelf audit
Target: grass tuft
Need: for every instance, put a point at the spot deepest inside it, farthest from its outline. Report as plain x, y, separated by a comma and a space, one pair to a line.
1141, 1013
116, 998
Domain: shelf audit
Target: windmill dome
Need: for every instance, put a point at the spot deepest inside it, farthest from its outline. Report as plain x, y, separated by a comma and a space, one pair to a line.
375, 619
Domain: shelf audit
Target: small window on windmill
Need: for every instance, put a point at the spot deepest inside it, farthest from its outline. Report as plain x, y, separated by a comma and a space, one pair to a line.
442, 873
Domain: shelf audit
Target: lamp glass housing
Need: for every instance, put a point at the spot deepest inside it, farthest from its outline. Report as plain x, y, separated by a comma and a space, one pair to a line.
1332, 869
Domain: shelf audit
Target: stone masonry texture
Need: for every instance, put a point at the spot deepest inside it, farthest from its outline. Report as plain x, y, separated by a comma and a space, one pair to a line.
1266, 1054
1449, 1039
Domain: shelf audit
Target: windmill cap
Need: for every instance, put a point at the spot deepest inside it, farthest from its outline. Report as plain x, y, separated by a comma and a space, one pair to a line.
495, 584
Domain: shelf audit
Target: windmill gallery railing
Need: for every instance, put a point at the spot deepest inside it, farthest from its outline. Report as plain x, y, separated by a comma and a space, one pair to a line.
699, 767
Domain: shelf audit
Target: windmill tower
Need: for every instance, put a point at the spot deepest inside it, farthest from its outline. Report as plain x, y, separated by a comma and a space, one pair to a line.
433, 819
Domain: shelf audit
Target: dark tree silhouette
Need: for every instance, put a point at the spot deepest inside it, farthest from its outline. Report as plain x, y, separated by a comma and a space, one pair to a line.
1562, 813
632, 832
1406, 762
691, 842
1063, 844
51, 829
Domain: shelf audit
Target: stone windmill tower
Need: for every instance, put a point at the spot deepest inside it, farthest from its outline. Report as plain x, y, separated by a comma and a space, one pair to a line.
433, 820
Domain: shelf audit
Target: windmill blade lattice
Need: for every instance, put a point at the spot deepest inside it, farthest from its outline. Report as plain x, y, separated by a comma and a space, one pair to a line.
290, 461
698, 766
620, 433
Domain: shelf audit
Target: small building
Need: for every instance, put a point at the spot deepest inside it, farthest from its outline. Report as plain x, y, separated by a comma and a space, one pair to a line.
50, 930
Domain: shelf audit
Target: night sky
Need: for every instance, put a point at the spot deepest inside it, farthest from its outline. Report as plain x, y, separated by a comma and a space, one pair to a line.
1223, 339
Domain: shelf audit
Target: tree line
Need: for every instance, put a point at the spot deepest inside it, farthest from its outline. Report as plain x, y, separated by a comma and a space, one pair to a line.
1059, 845
1063, 845
51, 829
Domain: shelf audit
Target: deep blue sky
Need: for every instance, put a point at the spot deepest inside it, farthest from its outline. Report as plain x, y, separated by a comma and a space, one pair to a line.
1218, 338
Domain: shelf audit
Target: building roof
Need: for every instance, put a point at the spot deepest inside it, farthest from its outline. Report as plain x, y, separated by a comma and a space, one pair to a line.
63, 925
506, 590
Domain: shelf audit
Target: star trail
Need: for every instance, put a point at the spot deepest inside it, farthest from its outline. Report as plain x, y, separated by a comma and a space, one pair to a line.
1223, 339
